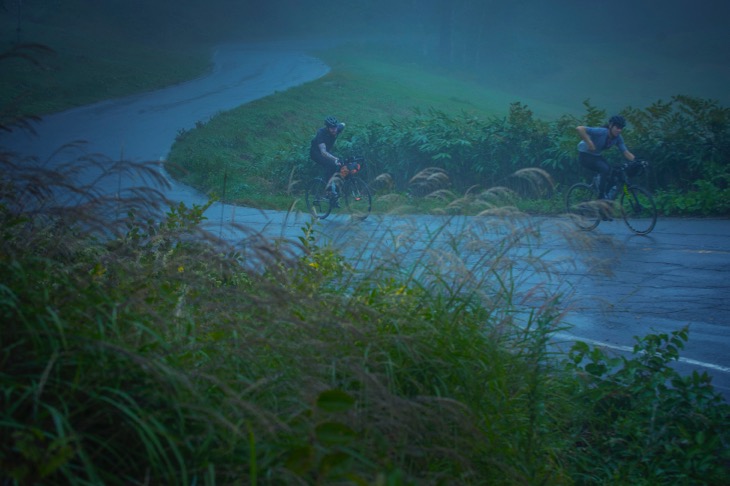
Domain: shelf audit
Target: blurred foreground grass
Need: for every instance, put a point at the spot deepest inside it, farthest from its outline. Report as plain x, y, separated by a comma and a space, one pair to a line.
141, 349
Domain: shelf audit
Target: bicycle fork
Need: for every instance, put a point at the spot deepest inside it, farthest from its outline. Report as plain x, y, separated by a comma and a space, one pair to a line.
633, 200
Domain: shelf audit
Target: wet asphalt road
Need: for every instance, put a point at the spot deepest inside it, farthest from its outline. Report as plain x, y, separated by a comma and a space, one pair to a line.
616, 285
143, 127
675, 277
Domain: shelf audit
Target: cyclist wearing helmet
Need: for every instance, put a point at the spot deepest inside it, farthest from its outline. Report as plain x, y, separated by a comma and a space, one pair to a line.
597, 139
320, 150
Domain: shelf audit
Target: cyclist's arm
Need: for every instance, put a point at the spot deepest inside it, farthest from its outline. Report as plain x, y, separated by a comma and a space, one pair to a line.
323, 151
586, 138
624, 150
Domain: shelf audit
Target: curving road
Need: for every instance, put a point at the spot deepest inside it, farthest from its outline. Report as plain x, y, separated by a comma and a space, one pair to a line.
676, 276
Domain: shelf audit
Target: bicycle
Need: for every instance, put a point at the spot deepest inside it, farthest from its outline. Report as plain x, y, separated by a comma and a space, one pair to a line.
638, 209
350, 187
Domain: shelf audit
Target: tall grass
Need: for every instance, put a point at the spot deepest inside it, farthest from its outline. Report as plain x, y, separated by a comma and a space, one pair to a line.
137, 348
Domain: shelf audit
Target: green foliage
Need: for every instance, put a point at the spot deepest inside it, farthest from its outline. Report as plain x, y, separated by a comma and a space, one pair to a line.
594, 116
560, 155
320, 447
686, 140
157, 355
449, 154
705, 199
647, 423
471, 151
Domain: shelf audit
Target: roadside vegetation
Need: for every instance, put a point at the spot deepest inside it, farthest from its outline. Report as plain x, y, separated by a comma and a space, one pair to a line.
138, 348
405, 120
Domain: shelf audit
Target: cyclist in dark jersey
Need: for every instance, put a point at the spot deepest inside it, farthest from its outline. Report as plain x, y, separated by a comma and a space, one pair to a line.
320, 150
597, 139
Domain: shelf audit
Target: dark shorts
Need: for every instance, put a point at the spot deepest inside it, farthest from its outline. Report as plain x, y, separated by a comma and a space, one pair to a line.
596, 163
328, 166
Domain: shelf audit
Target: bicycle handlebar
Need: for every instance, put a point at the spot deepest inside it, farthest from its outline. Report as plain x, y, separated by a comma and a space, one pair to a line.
637, 167
352, 165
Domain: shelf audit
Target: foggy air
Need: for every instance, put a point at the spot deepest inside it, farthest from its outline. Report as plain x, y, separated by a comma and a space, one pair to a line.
617, 54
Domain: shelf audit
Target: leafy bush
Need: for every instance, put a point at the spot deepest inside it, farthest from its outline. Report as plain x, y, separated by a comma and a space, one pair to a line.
470, 150
686, 139
146, 350
705, 200
647, 424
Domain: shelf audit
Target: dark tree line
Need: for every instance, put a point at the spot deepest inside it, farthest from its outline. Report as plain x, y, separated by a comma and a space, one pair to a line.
455, 33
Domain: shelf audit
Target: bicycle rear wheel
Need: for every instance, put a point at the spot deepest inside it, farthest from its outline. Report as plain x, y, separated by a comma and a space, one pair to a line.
582, 206
358, 199
638, 210
318, 202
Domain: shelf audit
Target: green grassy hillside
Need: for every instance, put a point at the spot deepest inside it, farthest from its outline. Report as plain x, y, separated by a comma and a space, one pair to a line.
93, 51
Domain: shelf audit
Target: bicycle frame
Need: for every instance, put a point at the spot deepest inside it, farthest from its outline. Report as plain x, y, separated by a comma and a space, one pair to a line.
350, 188
588, 209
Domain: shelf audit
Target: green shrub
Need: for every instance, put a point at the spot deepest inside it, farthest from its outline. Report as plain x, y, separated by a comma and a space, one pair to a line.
147, 351
704, 199
644, 422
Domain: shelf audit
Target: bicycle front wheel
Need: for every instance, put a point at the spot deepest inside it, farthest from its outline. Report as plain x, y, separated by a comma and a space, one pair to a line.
318, 201
582, 206
638, 209
358, 199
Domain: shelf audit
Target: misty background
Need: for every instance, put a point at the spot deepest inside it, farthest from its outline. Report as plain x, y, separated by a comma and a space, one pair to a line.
617, 54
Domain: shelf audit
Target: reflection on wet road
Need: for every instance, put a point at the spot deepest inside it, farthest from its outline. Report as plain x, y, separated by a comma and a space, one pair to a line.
616, 285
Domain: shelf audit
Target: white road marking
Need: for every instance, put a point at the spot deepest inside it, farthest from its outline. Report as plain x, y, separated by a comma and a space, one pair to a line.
630, 349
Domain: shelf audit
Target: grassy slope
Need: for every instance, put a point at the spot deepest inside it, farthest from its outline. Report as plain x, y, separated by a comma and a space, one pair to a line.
95, 54
363, 86
406, 85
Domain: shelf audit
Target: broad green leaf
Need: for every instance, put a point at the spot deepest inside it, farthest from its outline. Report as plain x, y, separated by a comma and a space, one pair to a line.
334, 433
301, 459
335, 401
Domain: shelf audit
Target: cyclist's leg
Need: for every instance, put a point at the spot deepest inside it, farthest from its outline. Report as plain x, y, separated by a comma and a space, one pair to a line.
597, 163
329, 169
332, 182
333, 185
317, 203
